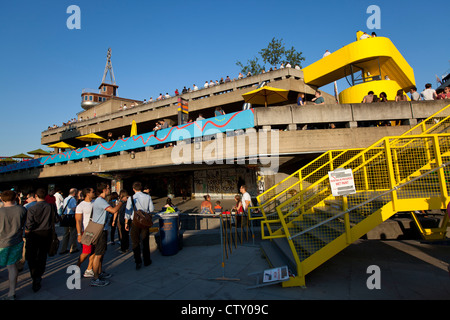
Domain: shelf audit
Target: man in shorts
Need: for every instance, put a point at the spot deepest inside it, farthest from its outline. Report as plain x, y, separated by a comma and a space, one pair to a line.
12, 220
100, 214
82, 216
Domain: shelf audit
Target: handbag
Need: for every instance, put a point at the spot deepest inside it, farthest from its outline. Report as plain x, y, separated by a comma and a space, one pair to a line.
92, 232
141, 218
67, 220
54, 245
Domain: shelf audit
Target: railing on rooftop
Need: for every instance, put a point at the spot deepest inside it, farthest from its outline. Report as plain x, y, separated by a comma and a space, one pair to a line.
89, 90
201, 93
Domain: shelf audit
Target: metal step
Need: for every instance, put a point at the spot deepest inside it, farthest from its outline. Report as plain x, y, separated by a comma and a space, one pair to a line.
278, 254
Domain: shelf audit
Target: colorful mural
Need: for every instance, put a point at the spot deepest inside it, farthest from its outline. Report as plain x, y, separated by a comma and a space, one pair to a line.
234, 121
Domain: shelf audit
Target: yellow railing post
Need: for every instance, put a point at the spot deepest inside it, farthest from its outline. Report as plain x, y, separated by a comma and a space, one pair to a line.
441, 173
300, 191
366, 180
395, 162
390, 170
330, 157
346, 219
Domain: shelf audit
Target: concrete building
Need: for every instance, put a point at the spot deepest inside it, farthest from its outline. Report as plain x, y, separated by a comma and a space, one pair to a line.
275, 144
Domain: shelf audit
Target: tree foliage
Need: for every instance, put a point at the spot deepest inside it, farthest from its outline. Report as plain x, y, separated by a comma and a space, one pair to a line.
252, 66
274, 54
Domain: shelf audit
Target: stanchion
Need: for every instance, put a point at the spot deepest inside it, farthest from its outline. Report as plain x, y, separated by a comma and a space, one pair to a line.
223, 278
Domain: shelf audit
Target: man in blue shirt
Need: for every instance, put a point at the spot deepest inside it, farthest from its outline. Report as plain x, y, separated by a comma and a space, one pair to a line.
100, 214
142, 201
70, 232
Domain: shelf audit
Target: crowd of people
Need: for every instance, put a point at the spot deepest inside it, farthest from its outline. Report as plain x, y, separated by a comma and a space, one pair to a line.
28, 224
428, 94
69, 122
27, 227
211, 83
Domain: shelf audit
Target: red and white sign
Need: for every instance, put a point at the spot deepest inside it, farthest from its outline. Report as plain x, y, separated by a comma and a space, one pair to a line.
341, 182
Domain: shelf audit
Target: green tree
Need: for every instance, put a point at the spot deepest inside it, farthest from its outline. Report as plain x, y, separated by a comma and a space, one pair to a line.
274, 54
252, 66
293, 57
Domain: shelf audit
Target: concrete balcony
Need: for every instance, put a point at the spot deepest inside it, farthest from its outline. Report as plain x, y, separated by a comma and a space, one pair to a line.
107, 116
291, 141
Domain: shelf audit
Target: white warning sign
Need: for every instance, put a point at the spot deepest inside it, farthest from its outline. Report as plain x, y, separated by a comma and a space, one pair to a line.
341, 182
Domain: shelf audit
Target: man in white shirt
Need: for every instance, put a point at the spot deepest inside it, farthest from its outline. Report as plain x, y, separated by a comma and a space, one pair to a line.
428, 93
246, 199
415, 96
142, 201
82, 216
364, 36
246, 202
59, 201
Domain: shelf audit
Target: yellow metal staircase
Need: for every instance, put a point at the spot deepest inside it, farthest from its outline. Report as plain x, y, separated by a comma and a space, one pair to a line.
405, 173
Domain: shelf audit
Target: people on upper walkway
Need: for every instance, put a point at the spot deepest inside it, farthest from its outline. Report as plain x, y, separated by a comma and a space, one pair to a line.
401, 96
364, 36
318, 99
443, 93
415, 96
368, 98
301, 99
383, 97
428, 93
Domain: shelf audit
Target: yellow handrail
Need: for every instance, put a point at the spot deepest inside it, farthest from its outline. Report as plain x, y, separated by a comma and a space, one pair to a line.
260, 207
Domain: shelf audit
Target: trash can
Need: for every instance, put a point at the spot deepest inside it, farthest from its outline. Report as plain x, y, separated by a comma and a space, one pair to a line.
168, 234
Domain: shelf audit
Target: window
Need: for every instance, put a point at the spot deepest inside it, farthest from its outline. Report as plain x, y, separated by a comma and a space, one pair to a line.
90, 98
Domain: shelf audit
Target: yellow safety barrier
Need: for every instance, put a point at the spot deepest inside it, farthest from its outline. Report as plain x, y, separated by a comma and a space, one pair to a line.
438, 122
396, 174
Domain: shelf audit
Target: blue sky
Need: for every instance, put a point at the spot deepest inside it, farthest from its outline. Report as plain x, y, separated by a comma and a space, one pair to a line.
158, 46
